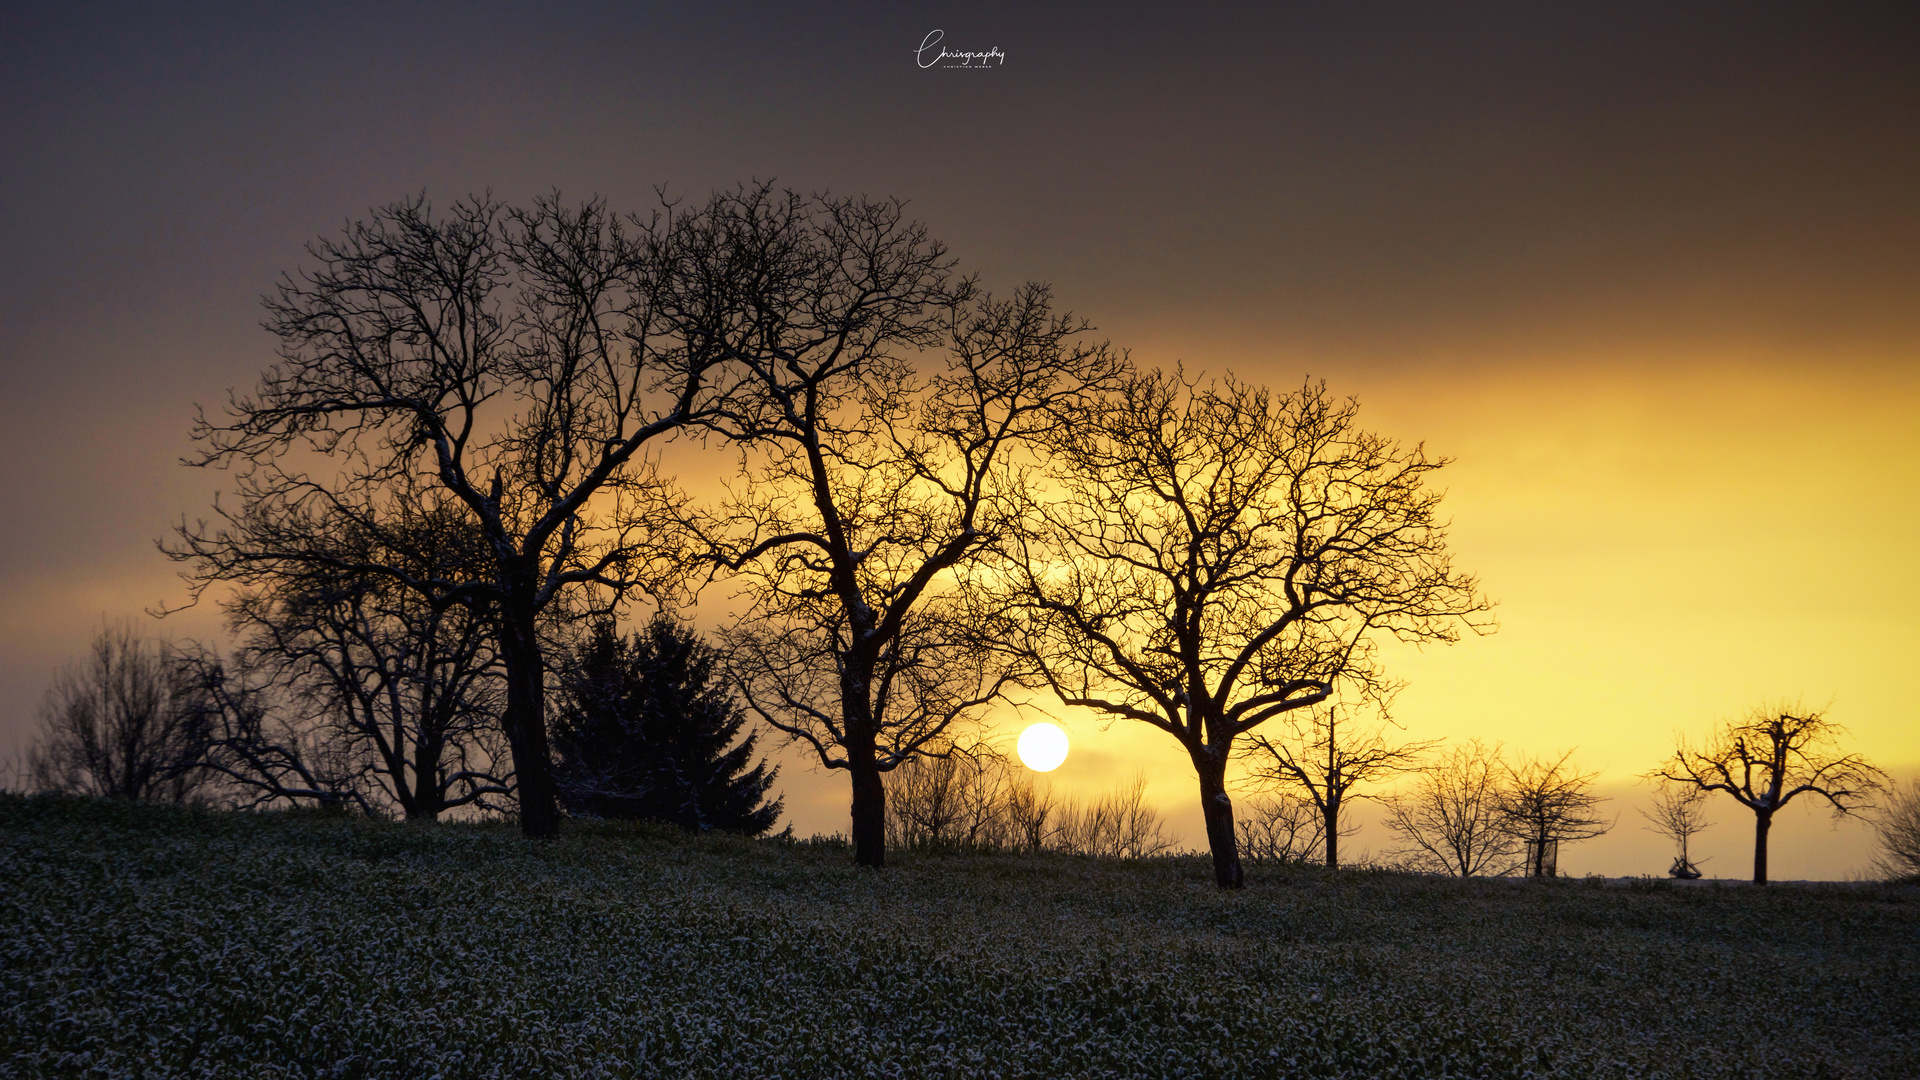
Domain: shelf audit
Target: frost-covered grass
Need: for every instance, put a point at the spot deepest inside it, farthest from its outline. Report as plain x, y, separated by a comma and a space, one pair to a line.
154, 943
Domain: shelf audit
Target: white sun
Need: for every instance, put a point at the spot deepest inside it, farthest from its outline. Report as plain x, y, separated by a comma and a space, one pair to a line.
1043, 747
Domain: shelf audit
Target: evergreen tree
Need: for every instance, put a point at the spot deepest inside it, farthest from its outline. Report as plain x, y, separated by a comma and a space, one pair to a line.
643, 732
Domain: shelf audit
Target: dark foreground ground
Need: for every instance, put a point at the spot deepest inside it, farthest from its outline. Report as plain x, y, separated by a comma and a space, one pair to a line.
153, 943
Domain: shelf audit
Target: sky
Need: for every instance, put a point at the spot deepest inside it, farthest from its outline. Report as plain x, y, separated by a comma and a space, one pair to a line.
1649, 274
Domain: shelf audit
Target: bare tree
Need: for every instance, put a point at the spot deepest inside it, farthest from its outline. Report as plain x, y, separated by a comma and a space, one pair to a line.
1282, 828
120, 724
1218, 556
1118, 825
876, 478
1544, 803
1897, 833
517, 361
1451, 822
387, 698
1329, 764
1032, 814
1679, 813
961, 799
925, 801
1769, 758
958, 799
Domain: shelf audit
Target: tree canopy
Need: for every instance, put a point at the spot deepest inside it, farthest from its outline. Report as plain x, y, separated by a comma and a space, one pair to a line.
512, 365
1217, 555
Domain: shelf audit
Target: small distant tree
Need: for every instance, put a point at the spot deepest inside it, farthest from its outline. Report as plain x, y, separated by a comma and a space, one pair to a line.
1679, 813
120, 724
1451, 822
1282, 828
955, 798
647, 732
1543, 804
1328, 761
1898, 829
1032, 814
1769, 758
1118, 825
924, 802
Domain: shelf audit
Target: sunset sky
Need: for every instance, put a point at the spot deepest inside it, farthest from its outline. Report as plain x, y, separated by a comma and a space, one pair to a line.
1649, 273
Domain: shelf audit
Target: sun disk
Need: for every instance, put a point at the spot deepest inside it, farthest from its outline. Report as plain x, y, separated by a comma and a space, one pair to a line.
1043, 747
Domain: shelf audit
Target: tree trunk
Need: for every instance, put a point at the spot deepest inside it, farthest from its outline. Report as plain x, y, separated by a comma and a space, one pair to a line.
1218, 810
869, 805
1761, 824
525, 722
427, 798
1331, 819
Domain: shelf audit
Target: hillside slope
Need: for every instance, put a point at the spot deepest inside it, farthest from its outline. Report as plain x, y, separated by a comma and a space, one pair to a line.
153, 942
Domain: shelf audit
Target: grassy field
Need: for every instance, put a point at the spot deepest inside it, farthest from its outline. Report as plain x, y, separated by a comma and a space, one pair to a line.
154, 943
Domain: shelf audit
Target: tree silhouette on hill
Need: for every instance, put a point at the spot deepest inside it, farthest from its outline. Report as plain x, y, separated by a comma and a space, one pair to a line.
645, 733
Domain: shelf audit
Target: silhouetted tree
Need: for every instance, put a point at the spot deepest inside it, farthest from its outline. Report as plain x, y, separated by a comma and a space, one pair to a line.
1216, 556
646, 732
882, 406
1451, 821
517, 361
1679, 813
1118, 825
350, 686
957, 799
1033, 814
1544, 803
1281, 828
1769, 758
1897, 833
1329, 764
120, 724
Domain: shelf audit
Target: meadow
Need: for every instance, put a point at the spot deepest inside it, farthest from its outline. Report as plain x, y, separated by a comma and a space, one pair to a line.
152, 942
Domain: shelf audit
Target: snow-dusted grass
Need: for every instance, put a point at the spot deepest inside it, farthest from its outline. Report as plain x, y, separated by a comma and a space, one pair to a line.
154, 943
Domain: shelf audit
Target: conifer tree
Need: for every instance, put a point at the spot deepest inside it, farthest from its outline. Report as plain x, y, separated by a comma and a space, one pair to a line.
644, 732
